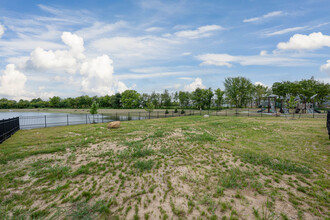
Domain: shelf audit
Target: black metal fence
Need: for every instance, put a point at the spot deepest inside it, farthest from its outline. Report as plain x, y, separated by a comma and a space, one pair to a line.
8, 127
28, 122
328, 123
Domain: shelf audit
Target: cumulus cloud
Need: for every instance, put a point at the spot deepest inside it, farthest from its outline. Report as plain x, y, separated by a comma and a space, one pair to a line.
67, 60
326, 67
2, 30
198, 83
96, 74
268, 15
203, 31
306, 42
12, 83
263, 59
98, 77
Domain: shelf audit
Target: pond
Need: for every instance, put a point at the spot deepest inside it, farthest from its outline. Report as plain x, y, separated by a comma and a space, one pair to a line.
29, 120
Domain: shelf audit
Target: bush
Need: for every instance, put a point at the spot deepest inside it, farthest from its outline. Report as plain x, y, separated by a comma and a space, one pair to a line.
182, 112
166, 112
175, 110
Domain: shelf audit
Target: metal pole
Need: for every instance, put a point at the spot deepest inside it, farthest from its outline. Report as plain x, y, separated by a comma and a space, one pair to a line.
116, 116
149, 115
248, 112
102, 117
226, 112
86, 119
45, 122
139, 115
67, 119
127, 116
157, 114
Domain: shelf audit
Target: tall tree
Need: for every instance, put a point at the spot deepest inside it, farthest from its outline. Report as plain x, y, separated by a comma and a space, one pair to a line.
219, 98
238, 90
166, 98
130, 99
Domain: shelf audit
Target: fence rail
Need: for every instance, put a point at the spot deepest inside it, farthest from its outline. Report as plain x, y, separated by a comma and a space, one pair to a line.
28, 122
8, 127
328, 123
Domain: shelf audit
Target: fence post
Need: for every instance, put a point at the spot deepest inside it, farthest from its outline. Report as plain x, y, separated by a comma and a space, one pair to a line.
157, 114
67, 119
149, 114
139, 115
102, 117
127, 116
226, 112
86, 119
45, 122
116, 116
248, 112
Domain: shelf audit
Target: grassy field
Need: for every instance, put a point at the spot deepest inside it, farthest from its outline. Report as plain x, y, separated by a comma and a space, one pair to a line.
171, 168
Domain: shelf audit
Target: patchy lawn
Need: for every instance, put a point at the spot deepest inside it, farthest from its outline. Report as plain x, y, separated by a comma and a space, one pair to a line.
171, 168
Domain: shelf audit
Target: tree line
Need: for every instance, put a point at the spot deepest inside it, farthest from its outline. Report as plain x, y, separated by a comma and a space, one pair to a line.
239, 92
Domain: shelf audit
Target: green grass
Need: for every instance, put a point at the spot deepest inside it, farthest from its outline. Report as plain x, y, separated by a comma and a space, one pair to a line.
180, 168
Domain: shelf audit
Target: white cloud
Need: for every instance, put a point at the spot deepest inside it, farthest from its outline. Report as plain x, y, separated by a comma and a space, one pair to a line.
60, 59
284, 31
261, 84
198, 83
98, 77
203, 31
306, 42
186, 78
326, 67
153, 29
174, 86
263, 53
260, 60
12, 83
131, 51
186, 54
98, 29
2, 30
268, 15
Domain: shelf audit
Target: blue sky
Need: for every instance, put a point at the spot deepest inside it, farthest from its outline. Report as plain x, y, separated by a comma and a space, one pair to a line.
72, 48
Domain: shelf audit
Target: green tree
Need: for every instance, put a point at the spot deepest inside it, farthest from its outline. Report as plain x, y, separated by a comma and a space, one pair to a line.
238, 90
130, 99
260, 93
184, 98
208, 93
219, 98
115, 101
154, 98
54, 102
166, 98
93, 110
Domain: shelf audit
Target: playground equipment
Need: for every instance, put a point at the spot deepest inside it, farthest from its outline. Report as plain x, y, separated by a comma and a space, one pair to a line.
272, 105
